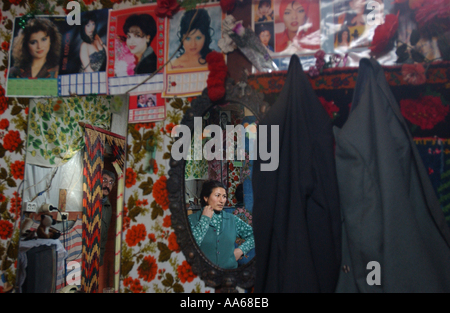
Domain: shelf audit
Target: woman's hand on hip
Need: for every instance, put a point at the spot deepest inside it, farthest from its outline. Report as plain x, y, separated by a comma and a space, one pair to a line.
238, 254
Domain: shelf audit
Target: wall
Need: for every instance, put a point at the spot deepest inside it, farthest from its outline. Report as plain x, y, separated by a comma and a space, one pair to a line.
151, 260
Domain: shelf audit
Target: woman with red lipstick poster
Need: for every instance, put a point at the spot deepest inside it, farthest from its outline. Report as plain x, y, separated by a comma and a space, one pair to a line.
297, 26
135, 49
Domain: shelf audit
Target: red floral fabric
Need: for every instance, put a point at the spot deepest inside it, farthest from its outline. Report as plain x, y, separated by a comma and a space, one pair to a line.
426, 111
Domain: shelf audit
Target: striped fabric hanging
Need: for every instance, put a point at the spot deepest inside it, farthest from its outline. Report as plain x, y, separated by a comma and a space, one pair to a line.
72, 241
92, 208
119, 208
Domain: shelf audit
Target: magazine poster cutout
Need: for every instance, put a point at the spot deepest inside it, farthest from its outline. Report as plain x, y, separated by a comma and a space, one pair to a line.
187, 72
84, 54
348, 27
135, 50
146, 108
288, 27
355, 23
34, 56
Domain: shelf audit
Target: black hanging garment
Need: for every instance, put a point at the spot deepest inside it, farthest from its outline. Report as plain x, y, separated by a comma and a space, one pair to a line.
391, 214
296, 215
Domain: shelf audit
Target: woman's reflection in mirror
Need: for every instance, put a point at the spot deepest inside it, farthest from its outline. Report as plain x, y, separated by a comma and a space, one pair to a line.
215, 230
108, 182
224, 120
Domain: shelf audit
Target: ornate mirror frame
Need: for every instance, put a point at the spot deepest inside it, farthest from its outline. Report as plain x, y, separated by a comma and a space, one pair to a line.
214, 276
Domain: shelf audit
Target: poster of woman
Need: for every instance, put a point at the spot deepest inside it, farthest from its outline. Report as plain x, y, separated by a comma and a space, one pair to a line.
135, 49
354, 23
351, 17
297, 26
84, 46
83, 60
187, 71
288, 27
34, 57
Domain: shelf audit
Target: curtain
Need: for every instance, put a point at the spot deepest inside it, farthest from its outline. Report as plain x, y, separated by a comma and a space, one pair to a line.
92, 208
92, 204
54, 133
119, 208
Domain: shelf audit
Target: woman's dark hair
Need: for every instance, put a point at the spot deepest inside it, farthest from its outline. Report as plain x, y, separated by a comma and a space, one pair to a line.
85, 18
207, 189
339, 35
265, 2
21, 54
260, 27
144, 21
202, 22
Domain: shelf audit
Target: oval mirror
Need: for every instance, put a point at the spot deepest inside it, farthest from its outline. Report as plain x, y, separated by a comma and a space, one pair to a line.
231, 165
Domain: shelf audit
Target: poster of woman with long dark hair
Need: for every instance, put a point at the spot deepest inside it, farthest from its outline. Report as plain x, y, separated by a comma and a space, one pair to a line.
84, 55
187, 70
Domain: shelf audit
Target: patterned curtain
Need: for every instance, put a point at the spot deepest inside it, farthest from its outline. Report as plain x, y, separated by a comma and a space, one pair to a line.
92, 208
54, 133
119, 208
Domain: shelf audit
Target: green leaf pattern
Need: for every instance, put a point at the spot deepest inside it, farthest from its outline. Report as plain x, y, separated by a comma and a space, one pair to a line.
55, 134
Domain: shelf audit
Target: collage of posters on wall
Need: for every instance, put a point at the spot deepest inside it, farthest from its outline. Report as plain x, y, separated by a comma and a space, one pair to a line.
187, 71
303, 27
135, 49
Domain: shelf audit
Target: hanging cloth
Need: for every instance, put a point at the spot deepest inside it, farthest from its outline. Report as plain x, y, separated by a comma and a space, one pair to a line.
296, 216
390, 211
92, 208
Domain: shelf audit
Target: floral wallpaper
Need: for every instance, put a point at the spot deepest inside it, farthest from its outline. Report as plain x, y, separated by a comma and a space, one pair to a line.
151, 258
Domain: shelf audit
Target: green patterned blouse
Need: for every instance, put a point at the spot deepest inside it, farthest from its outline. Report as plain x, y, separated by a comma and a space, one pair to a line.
243, 230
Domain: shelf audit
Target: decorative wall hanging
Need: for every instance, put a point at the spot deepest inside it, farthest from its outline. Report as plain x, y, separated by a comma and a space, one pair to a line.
92, 199
435, 153
425, 107
54, 134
